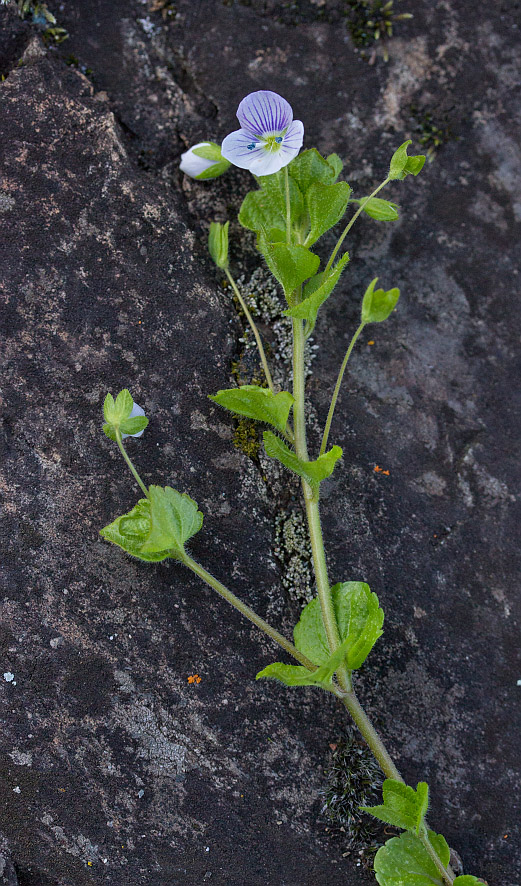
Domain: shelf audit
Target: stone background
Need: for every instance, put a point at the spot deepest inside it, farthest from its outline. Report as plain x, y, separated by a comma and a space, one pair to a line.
113, 768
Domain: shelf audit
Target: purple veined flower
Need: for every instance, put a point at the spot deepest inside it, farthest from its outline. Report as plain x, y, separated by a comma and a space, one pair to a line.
269, 137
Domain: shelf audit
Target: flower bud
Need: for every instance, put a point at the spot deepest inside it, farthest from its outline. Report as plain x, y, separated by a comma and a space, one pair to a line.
218, 243
203, 161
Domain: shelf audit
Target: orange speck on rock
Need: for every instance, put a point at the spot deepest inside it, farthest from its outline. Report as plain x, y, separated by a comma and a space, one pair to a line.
370, 342
194, 678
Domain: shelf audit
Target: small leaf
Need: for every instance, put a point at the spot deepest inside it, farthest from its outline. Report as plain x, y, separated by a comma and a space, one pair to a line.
218, 243
213, 171
257, 403
310, 167
359, 620
381, 210
296, 675
467, 880
131, 530
209, 151
133, 425
336, 163
403, 807
378, 304
326, 205
316, 291
402, 165
404, 860
265, 209
312, 471
174, 519
290, 265
118, 411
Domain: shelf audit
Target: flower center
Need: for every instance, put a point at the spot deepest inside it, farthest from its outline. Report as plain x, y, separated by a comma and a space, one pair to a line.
272, 142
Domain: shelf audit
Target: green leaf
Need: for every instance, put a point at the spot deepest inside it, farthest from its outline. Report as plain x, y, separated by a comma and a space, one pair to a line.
403, 807
381, 210
116, 412
326, 205
131, 530
316, 291
359, 620
258, 403
290, 265
310, 167
133, 425
265, 209
467, 880
402, 165
403, 861
214, 171
378, 304
174, 519
218, 243
296, 675
336, 163
312, 471
209, 151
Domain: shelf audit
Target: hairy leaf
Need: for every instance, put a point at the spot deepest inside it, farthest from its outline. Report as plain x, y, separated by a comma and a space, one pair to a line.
257, 403
296, 675
310, 167
291, 265
316, 291
174, 519
403, 861
336, 163
326, 205
312, 471
381, 210
403, 806
265, 209
359, 620
118, 411
377, 304
131, 530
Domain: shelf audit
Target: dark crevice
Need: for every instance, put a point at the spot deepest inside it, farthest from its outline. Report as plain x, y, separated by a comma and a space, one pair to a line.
15, 35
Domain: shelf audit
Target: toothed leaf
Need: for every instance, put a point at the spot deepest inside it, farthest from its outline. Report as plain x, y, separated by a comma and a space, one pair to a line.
257, 403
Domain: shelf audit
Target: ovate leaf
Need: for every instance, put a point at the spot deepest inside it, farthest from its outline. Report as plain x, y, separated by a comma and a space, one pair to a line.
310, 167
326, 204
336, 163
290, 265
378, 304
296, 675
134, 425
316, 291
359, 620
117, 411
381, 210
312, 471
402, 165
131, 531
403, 807
274, 188
403, 861
257, 403
467, 880
174, 519
265, 209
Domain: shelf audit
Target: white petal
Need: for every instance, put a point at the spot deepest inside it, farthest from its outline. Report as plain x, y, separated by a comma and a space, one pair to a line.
193, 165
237, 148
136, 410
294, 137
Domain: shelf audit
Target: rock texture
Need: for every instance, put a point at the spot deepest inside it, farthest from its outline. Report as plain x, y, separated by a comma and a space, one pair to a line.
114, 768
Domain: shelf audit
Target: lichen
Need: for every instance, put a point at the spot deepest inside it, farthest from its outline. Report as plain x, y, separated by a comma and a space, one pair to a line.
293, 551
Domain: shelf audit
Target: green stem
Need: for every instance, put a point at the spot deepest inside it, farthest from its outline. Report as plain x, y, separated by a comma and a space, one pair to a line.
288, 207
371, 736
255, 331
337, 389
446, 872
313, 515
125, 455
351, 222
245, 610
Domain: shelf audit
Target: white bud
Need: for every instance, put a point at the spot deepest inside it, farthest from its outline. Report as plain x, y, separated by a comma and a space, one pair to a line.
136, 410
193, 165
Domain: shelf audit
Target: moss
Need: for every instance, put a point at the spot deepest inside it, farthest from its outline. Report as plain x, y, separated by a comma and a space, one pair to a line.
353, 779
434, 128
371, 20
42, 16
246, 438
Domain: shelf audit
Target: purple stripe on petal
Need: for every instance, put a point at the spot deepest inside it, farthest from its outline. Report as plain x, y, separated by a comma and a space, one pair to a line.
294, 136
237, 148
264, 112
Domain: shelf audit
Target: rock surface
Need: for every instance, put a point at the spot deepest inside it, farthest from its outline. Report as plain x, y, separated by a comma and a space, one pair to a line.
114, 768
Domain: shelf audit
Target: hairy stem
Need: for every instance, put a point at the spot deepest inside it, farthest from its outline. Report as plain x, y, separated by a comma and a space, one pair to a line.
288, 206
125, 455
446, 872
351, 222
245, 610
337, 389
254, 329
